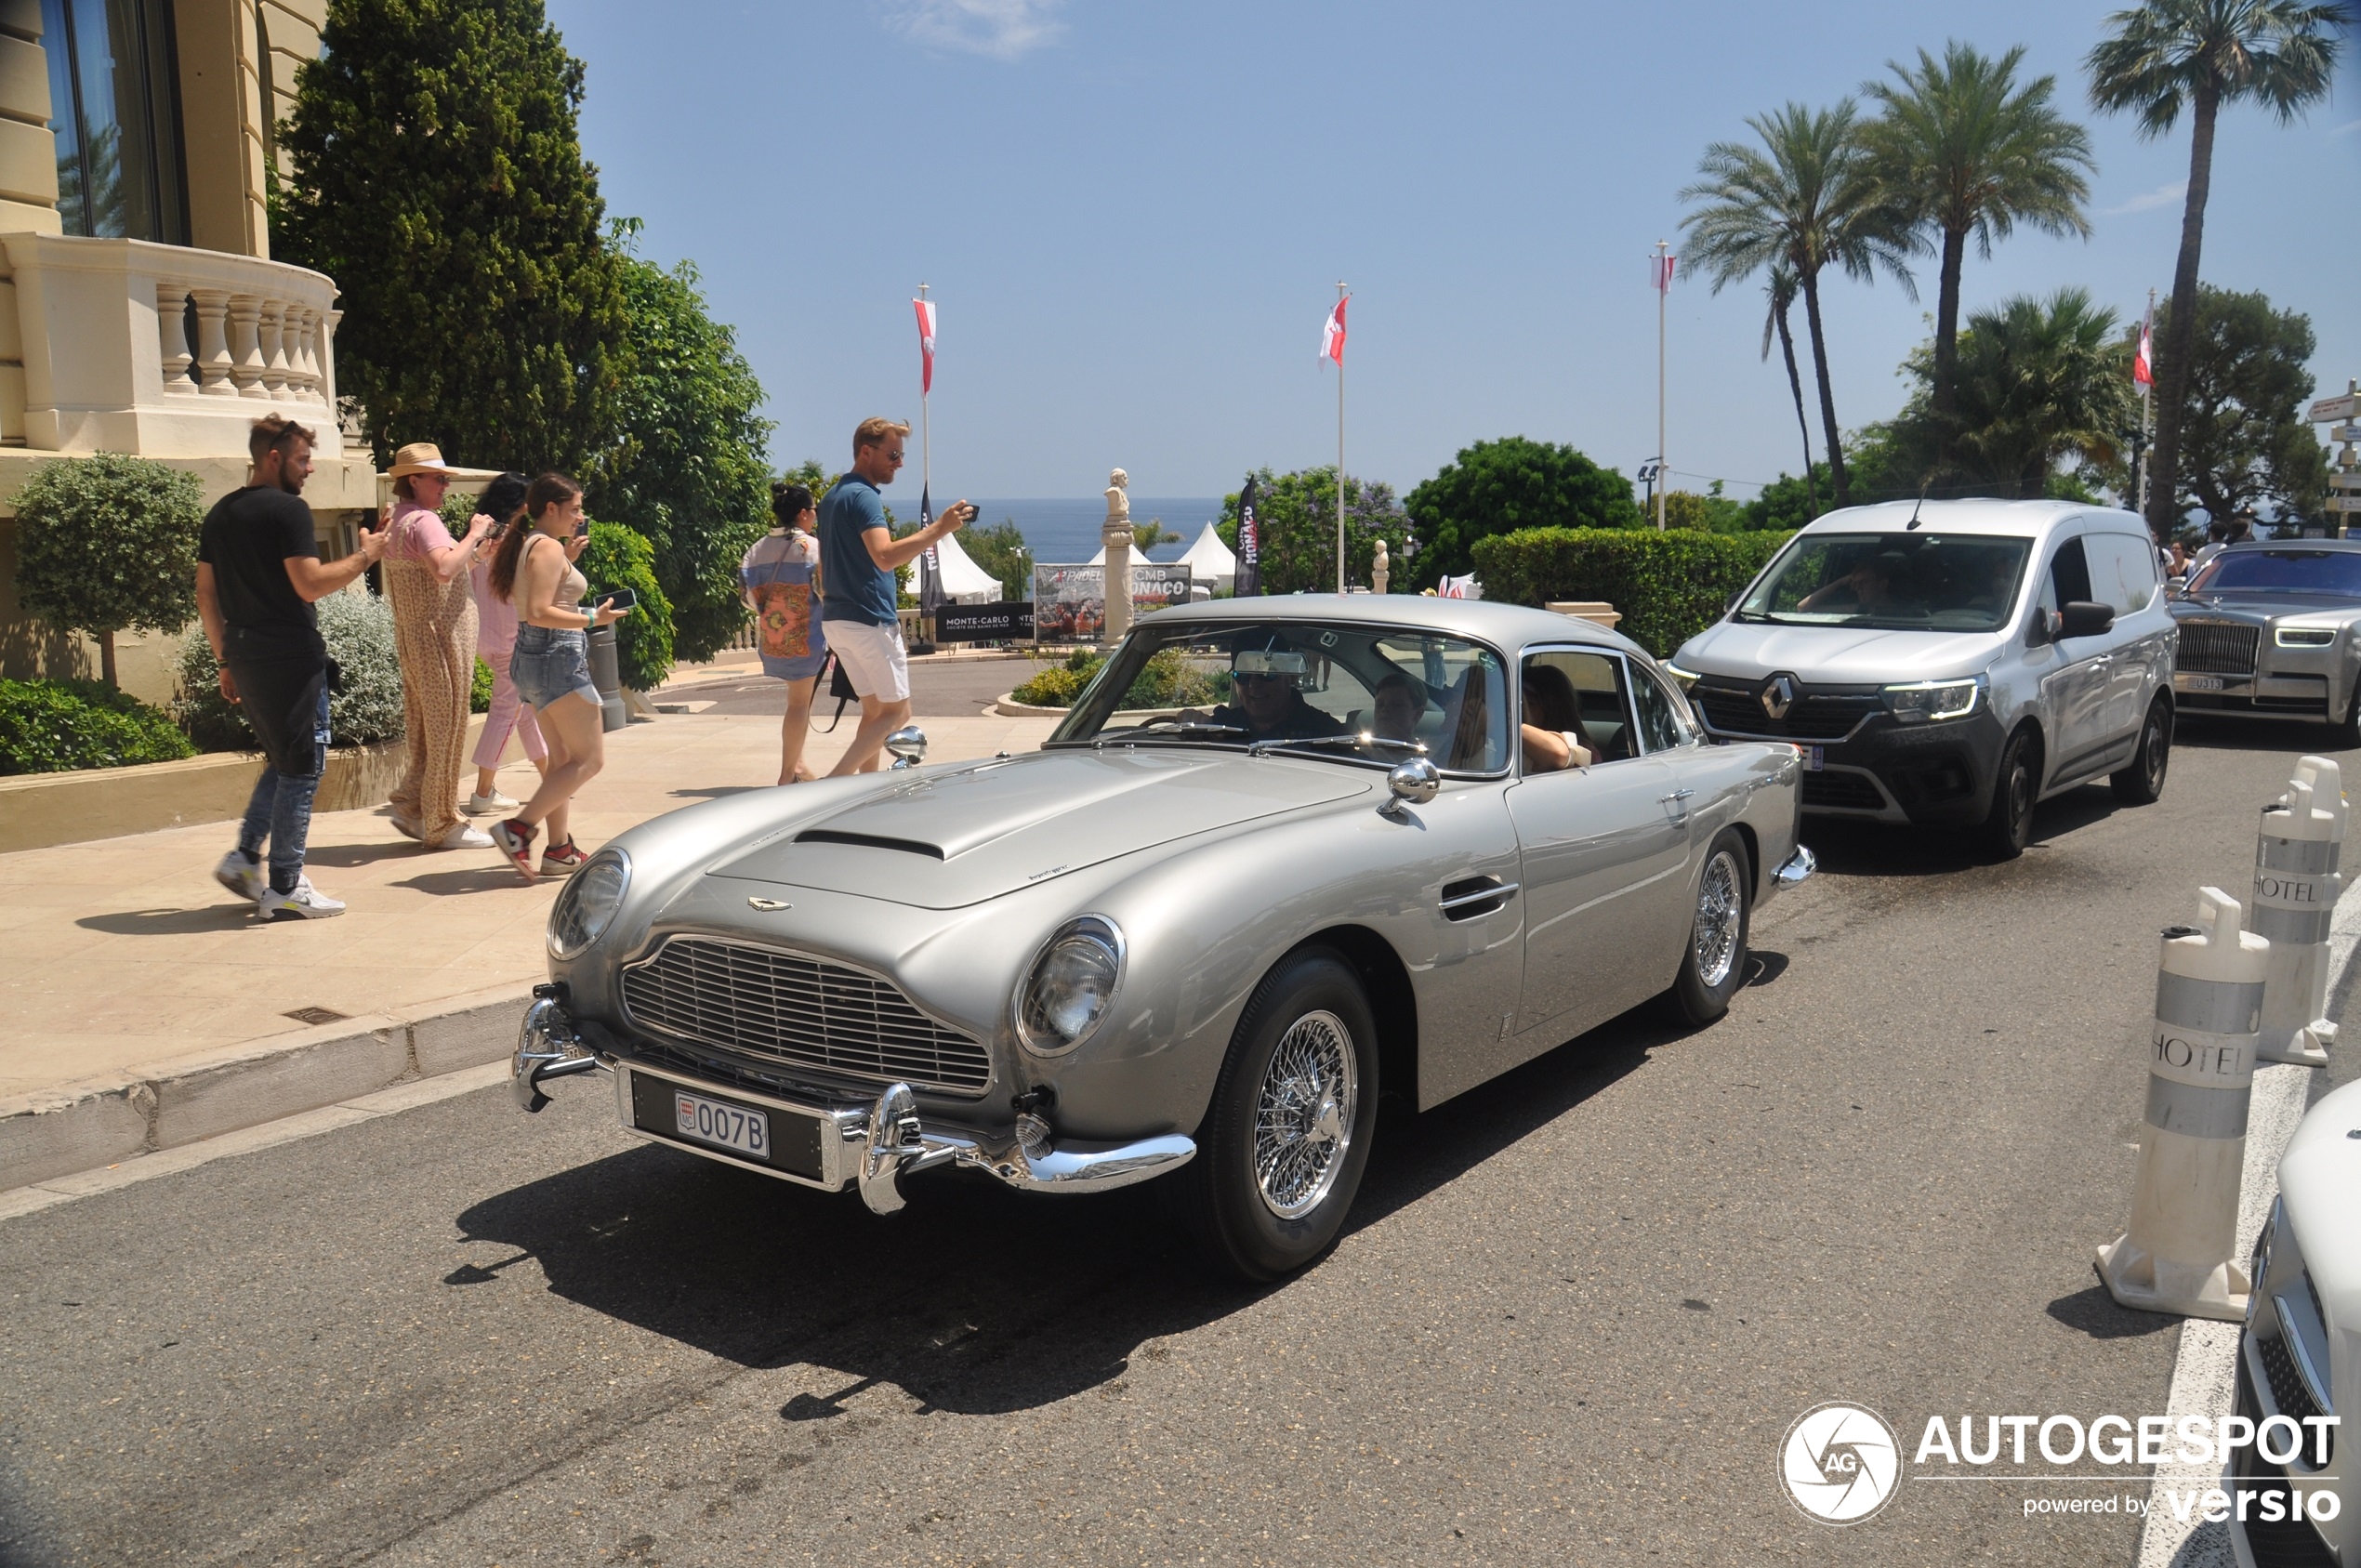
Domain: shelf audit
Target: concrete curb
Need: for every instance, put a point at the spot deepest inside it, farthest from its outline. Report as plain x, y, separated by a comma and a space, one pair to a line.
77, 1127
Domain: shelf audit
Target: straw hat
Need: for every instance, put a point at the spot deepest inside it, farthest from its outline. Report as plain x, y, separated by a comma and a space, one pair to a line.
418, 457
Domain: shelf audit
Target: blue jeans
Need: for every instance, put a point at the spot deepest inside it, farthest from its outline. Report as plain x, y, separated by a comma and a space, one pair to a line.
280, 808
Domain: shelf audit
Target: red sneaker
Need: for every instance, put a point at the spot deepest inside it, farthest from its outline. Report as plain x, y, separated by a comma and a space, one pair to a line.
515, 841
562, 860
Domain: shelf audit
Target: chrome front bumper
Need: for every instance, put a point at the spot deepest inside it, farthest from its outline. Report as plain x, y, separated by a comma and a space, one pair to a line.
870, 1147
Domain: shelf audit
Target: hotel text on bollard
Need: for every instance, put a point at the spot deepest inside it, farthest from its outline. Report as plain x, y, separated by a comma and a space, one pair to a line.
2176, 1255
2296, 886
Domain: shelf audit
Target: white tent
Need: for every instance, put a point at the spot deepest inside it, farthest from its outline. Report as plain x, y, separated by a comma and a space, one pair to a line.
963, 580
1210, 560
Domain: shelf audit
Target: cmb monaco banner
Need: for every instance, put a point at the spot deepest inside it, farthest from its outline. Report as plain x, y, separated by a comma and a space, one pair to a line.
1070, 602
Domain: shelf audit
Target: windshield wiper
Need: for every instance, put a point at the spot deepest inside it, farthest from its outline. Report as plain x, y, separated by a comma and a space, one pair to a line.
1259, 747
1163, 729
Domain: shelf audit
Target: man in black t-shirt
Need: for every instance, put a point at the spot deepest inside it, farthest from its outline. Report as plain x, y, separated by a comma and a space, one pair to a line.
258, 572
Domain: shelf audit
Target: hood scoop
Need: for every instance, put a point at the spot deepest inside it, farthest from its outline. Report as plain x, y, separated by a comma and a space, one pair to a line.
871, 840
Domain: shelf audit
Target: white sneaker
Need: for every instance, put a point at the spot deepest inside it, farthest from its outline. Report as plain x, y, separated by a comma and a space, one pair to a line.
486, 805
403, 826
460, 835
306, 903
241, 877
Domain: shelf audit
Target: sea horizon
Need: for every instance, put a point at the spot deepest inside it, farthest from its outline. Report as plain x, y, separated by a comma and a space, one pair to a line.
1064, 530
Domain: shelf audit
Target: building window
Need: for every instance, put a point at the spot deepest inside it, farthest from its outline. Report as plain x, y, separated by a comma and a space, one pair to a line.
114, 104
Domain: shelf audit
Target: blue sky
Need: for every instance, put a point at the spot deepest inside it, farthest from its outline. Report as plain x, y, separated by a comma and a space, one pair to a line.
1134, 216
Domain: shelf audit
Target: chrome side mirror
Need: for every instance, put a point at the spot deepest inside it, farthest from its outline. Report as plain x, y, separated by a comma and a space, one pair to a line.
908, 745
1411, 783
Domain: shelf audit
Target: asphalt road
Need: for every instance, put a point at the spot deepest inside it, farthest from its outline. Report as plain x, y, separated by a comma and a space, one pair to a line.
1574, 1315
951, 687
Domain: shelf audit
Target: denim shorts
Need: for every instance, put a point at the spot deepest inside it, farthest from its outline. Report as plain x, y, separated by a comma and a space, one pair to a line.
547, 664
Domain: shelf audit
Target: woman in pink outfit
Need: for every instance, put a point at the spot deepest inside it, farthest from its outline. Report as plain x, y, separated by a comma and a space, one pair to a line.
503, 501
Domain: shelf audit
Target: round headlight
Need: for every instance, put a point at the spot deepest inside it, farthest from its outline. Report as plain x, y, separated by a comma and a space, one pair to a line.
1067, 994
589, 903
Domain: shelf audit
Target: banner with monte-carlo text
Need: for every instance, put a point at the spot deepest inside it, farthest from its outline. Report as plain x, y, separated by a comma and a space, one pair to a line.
1070, 602
983, 623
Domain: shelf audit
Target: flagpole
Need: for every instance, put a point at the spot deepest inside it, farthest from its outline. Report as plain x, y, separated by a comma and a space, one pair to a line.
1340, 294
926, 444
1664, 289
2147, 410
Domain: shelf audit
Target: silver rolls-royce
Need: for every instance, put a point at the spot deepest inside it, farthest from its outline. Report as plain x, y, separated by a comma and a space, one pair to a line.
1283, 856
2273, 631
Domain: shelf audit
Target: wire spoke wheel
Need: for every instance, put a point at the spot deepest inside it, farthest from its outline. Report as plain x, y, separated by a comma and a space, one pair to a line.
1304, 1115
1721, 903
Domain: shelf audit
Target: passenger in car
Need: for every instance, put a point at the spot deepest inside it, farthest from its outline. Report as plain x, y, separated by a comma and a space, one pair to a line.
1397, 705
1551, 733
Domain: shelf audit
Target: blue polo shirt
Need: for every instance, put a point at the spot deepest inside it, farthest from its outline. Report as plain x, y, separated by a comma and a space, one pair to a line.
853, 588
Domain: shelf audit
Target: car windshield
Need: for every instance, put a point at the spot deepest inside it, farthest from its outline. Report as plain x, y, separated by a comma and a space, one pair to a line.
1354, 694
2289, 570
1919, 582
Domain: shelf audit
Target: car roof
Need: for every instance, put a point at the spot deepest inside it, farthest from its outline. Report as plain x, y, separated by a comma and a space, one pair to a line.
2252, 546
2020, 520
1504, 626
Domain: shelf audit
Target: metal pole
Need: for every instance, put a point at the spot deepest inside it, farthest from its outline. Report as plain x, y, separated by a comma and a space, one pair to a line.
1340, 294
926, 444
1662, 291
2147, 417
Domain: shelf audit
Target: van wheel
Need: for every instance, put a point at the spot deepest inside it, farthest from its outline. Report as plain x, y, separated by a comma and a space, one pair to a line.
1714, 965
1281, 1153
2143, 780
2007, 828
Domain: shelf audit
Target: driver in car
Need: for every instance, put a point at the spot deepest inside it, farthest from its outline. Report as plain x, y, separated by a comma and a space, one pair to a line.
1266, 698
1870, 587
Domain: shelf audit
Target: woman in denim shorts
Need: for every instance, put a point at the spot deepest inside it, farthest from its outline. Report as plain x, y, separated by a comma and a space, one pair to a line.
535, 571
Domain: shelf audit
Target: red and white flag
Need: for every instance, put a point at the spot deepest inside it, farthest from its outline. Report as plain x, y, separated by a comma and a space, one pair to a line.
1660, 272
926, 343
2144, 363
1332, 336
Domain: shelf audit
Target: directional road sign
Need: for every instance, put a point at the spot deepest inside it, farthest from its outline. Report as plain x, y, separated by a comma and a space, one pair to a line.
2346, 407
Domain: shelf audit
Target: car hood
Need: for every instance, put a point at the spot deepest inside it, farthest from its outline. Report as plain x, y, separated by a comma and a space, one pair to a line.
1835, 655
944, 839
2324, 608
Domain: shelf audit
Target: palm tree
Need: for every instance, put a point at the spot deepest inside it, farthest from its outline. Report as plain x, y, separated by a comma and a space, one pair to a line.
1972, 154
2038, 381
1809, 198
1781, 288
2166, 55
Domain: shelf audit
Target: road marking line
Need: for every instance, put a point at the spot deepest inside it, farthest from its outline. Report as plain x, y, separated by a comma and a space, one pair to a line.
2205, 1373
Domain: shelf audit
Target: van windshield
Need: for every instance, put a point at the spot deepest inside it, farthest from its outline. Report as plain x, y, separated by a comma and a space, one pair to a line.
1916, 582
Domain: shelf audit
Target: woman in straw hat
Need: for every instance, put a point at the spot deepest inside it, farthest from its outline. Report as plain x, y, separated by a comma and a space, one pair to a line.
434, 637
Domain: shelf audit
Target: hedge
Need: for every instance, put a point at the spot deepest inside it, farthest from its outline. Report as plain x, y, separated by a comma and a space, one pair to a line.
618, 558
51, 726
1669, 586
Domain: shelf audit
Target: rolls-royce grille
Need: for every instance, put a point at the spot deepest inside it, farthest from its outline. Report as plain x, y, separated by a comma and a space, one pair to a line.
2217, 648
783, 1007
1732, 712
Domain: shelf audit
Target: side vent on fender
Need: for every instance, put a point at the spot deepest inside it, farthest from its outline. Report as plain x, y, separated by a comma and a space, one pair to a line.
1474, 896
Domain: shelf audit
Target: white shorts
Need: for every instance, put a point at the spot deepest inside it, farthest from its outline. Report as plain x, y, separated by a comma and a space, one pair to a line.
874, 657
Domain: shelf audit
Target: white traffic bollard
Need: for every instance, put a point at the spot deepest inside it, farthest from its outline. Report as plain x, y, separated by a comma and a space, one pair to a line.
2177, 1255
2296, 887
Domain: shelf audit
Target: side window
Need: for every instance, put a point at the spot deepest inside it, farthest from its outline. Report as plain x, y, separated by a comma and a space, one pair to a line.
2069, 576
1575, 691
1661, 728
2123, 572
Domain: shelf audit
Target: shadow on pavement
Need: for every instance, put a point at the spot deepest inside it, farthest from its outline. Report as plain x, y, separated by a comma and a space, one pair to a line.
2094, 1312
172, 922
346, 856
975, 1299
1849, 847
472, 879
717, 791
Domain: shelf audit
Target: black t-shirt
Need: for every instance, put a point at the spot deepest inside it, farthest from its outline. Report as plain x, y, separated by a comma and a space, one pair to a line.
247, 539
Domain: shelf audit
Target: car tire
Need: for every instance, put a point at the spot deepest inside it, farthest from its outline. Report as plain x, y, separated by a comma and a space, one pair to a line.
2345, 734
1283, 1146
1714, 964
2141, 782
2007, 828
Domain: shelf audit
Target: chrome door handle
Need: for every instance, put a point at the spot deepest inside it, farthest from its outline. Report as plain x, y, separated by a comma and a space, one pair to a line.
1678, 800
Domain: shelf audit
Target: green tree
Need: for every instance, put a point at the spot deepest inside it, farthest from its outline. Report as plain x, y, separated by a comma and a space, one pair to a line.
622, 557
1780, 287
439, 178
1297, 516
1501, 486
2244, 440
1809, 198
2037, 382
691, 470
2165, 56
1152, 533
1968, 154
1000, 550
1788, 502
108, 543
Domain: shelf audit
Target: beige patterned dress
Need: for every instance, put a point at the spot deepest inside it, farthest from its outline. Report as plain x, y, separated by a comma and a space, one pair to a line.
434, 637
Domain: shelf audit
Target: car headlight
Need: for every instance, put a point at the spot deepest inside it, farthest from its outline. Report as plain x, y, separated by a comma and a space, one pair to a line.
1922, 701
2304, 637
1687, 678
1066, 995
587, 907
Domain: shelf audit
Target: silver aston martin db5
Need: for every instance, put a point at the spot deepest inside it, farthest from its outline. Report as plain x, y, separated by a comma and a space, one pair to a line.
2273, 631
1360, 845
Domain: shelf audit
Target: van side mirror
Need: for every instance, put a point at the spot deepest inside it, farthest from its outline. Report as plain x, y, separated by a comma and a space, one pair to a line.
2082, 618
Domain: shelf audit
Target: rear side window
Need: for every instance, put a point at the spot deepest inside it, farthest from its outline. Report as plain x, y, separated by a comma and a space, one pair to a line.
1661, 724
2123, 571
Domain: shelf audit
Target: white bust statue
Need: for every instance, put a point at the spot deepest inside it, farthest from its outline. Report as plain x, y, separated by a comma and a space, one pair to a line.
1118, 497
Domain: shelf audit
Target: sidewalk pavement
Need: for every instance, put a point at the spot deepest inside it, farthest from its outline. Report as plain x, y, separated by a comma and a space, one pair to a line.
144, 1005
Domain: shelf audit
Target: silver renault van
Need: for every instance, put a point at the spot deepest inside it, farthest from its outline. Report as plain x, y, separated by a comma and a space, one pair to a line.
1950, 662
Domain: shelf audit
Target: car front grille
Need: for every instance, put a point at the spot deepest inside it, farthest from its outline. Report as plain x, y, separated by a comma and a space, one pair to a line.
795, 1011
2217, 648
1733, 712
1843, 791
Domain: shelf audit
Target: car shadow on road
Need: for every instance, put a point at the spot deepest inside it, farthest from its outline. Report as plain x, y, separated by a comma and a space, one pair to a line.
975, 1299
1847, 848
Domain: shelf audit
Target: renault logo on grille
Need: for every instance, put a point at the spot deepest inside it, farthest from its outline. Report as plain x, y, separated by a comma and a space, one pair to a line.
1778, 696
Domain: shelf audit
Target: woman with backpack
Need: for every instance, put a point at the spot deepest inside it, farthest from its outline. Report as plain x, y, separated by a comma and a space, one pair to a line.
779, 580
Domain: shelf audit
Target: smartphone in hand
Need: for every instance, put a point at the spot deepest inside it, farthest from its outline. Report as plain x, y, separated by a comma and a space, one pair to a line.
621, 598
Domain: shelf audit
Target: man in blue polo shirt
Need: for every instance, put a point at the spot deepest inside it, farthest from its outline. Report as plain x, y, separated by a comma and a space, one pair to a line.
858, 554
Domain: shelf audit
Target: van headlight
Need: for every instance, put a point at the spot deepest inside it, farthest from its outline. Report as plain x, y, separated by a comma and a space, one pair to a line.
1921, 701
587, 906
1066, 995
1687, 678
2304, 637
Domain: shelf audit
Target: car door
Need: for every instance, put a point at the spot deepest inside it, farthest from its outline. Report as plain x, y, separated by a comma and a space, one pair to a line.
1605, 852
2074, 689
2124, 578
